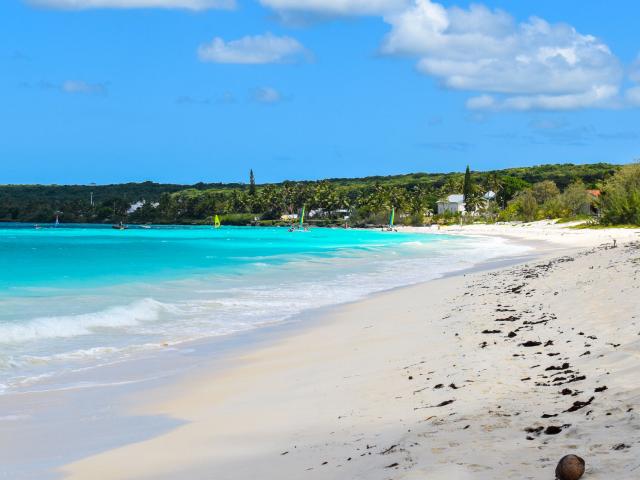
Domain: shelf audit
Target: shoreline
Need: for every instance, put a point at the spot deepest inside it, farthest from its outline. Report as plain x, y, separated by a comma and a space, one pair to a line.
183, 401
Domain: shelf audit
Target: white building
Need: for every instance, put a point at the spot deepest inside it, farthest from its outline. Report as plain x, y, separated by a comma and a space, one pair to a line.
455, 203
135, 206
451, 204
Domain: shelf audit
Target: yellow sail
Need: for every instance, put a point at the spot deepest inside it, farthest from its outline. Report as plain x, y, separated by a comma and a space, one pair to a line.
216, 222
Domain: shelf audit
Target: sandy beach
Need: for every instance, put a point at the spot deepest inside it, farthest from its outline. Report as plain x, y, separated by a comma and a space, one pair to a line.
492, 374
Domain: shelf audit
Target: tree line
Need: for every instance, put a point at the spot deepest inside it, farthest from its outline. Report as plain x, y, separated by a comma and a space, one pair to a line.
528, 193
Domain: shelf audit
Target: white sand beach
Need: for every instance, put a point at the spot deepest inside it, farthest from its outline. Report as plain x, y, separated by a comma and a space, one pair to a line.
492, 374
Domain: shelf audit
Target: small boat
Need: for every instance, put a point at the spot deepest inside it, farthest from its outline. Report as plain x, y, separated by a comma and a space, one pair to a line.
392, 218
301, 227
120, 226
146, 227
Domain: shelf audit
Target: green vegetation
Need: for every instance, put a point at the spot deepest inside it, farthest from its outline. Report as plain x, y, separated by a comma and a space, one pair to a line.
621, 197
528, 193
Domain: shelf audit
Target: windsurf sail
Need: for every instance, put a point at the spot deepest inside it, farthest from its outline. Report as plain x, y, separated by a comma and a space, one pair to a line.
216, 221
302, 217
392, 217
57, 221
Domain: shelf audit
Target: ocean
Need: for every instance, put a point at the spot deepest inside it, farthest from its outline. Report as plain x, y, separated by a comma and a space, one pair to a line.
77, 297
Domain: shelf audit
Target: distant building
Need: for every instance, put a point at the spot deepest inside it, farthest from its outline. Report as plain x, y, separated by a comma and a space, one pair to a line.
138, 205
490, 195
594, 193
452, 204
289, 217
320, 212
594, 206
455, 203
135, 206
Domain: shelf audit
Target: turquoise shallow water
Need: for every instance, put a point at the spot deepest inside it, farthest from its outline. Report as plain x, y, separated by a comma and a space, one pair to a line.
74, 298
88, 255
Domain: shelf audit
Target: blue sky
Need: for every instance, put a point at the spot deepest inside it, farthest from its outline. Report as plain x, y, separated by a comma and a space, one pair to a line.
203, 90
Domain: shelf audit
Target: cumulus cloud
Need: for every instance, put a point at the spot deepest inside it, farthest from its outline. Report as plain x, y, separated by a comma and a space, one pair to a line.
604, 96
336, 7
528, 65
266, 95
257, 49
123, 4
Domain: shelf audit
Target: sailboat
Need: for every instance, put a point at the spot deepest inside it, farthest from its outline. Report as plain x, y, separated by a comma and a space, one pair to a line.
392, 218
301, 227
216, 222
57, 221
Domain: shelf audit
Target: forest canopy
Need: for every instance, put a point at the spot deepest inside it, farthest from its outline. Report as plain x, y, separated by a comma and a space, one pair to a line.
366, 199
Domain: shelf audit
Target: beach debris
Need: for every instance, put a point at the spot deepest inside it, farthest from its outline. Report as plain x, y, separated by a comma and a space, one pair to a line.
601, 389
570, 467
531, 343
492, 331
577, 405
564, 366
621, 446
394, 464
555, 429
389, 450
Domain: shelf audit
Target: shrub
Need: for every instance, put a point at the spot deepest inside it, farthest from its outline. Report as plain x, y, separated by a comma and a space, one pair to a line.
621, 197
576, 200
545, 191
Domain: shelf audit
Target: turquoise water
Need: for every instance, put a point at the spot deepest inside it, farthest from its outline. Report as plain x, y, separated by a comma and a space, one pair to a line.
89, 256
74, 298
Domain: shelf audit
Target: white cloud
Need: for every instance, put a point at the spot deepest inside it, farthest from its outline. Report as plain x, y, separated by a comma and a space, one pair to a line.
78, 86
531, 65
267, 95
122, 4
258, 49
336, 7
605, 96
481, 102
